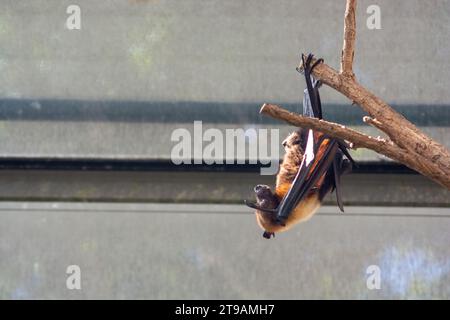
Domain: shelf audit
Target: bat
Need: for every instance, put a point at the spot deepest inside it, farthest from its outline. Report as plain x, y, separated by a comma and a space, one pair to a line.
311, 168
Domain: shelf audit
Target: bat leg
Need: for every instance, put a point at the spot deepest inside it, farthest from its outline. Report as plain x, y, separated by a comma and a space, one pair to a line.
340, 167
313, 90
303, 60
344, 148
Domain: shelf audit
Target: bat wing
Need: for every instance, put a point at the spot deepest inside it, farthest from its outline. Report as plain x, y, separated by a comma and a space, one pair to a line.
313, 173
318, 158
322, 158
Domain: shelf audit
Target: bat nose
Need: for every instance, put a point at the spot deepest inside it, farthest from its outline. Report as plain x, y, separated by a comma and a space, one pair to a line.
261, 187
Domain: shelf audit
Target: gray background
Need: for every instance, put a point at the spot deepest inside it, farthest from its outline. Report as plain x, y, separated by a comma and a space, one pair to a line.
202, 51
217, 252
236, 52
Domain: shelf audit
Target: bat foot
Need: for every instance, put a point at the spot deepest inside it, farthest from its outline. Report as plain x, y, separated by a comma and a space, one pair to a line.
306, 64
268, 235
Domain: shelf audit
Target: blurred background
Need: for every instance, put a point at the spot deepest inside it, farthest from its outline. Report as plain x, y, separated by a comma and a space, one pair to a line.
86, 178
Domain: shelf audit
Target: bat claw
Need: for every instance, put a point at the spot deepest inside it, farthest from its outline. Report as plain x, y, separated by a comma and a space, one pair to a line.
250, 204
306, 65
319, 61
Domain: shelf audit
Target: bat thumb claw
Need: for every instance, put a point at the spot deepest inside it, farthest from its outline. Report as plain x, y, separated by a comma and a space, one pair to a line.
250, 204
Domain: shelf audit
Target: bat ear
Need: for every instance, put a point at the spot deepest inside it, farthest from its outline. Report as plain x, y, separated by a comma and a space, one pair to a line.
258, 187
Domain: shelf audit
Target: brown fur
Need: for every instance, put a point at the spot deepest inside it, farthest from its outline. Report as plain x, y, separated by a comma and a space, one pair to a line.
286, 175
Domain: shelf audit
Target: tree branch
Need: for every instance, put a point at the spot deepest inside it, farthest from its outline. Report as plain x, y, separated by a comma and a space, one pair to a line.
348, 49
398, 128
379, 145
375, 123
407, 143
329, 128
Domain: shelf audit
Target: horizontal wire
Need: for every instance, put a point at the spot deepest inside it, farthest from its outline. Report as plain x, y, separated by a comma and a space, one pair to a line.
159, 211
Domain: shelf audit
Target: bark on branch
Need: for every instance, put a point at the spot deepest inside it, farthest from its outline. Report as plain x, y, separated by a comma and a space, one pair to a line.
348, 49
407, 144
358, 139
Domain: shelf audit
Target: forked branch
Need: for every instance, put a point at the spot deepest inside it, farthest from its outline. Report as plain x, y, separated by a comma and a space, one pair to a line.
407, 143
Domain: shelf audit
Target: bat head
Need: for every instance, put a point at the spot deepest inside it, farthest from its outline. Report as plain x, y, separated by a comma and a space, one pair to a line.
264, 197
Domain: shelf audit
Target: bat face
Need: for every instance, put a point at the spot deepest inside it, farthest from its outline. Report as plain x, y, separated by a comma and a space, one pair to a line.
265, 198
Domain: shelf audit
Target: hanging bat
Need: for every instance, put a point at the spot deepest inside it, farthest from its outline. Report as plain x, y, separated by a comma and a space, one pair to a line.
311, 168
